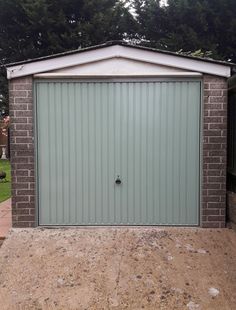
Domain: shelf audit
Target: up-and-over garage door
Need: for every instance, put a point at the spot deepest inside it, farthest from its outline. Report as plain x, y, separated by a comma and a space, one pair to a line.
118, 153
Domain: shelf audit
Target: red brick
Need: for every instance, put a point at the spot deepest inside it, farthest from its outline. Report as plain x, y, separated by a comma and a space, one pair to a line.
20, 173
210, 146
216, 218
209, 159
23, 211
27, 205
25, 192
217, 166
220, 86
218, 140
23, 113
18, 224
213, 192
217, 113
206, 224
220, 153
25, 166
215, 179
216, 133
211, 119
213, 92
212, 186
29, 93
28, 153
24, 140
215, 99
214, 155
218, 205
211, 212
23, 87
20, 185
19, 159
16, 199
23, 100
19, 120
218, 126
25, 179
19, 133
19, 93
26, 218
24, 127
22, 151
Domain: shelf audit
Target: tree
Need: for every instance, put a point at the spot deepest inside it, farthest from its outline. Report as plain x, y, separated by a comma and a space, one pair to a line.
151, 22
32, 28
3, 93
189, 25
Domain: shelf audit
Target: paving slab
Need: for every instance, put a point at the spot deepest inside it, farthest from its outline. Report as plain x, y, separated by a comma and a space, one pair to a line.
118, 268
5, 218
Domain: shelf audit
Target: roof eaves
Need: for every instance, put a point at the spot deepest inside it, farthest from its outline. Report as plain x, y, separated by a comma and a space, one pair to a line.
122, 43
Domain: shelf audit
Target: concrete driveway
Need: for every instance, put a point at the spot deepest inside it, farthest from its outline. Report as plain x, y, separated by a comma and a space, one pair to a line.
118, 268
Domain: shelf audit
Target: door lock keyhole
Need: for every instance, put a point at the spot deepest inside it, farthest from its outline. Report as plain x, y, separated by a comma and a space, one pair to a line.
118, 180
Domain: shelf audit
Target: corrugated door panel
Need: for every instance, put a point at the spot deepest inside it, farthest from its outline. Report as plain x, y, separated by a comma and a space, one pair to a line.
145, 133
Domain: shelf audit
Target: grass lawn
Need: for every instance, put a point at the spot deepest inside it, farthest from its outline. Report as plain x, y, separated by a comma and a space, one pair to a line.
5, 187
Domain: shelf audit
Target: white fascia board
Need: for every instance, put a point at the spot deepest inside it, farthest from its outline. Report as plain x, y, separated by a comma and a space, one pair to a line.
159, 74
177, 61
65, 61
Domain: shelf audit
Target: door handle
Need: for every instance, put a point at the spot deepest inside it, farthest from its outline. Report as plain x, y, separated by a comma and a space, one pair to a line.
118, 180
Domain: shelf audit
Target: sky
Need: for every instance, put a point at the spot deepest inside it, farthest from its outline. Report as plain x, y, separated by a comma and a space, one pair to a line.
163, 2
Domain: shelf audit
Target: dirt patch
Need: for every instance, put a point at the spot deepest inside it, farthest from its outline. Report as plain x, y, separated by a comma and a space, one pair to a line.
118, 268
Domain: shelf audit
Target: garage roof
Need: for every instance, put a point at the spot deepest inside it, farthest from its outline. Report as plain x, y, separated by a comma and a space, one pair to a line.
118, 49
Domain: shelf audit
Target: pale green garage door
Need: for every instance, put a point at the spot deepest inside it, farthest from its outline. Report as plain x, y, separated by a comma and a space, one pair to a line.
118, 153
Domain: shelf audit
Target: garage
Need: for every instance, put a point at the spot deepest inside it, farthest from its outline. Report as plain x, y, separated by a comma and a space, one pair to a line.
119, 135
118, 153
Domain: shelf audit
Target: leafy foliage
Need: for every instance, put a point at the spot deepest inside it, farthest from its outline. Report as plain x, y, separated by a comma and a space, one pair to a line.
3, 93
190, 25
32, 28
5, 186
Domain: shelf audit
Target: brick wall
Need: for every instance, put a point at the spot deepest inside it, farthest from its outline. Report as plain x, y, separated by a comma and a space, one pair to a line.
214, 152
231, 208
22, 152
